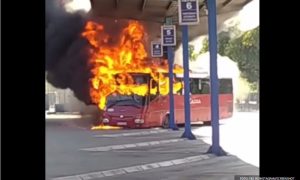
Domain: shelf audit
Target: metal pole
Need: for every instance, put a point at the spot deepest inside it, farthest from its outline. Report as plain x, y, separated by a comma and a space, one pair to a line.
187, 127
214, 81
172, 124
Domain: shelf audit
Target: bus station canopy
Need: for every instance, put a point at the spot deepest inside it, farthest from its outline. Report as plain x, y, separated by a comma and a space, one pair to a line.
154, 12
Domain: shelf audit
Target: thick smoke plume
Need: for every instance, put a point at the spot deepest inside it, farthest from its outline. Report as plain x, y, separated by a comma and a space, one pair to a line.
66, 51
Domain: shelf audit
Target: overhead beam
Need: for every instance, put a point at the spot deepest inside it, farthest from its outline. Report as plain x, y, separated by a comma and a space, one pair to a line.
172, 8
170, 5
150, 17
144, 5
92, 4
203, 4
241, 4
226, 2
246, 2
117, 3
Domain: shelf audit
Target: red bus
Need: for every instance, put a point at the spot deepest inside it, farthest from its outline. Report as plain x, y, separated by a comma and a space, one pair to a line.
133, 111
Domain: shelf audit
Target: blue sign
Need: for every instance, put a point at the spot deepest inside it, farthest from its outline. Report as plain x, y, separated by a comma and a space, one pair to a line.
188, 12
156, 49
168, 33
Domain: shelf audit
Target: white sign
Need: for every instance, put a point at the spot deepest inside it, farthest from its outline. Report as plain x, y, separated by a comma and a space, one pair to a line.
156, 49
168, 34
195, 101
188, 11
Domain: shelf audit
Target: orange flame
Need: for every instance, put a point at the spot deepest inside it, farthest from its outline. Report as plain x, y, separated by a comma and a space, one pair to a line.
105, 127
128, 56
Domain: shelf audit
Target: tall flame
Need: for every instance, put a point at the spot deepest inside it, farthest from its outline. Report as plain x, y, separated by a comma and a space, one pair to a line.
128, 56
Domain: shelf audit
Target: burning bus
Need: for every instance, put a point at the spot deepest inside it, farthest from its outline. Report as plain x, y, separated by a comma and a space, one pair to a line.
132, 90
152, 110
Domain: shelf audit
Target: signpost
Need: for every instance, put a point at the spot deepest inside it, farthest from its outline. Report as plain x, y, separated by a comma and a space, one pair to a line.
188, 15
168, 33
172, 124
213, 51
156, 49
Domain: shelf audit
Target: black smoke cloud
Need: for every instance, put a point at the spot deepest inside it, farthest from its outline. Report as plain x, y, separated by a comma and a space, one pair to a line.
66, 51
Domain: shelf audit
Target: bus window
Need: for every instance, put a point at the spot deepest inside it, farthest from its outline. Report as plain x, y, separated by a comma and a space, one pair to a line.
180, 91
199, 86
194, 86
225, 86
205, 86
140, 79
153, 85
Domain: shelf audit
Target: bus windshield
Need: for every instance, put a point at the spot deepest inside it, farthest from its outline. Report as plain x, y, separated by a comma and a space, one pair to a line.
129, 100
125, 100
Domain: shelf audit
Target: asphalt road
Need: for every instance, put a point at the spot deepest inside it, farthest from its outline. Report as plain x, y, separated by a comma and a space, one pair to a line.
76, 152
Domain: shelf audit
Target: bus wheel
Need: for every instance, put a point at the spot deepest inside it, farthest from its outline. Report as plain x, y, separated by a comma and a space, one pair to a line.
165, 123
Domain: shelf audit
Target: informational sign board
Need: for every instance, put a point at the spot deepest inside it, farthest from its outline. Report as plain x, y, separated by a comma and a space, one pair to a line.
168, 34
188, 11
156, 49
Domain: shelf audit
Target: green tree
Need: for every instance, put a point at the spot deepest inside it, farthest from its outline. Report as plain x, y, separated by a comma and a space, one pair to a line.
192, 54
244, 50
223, 43
204, 46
